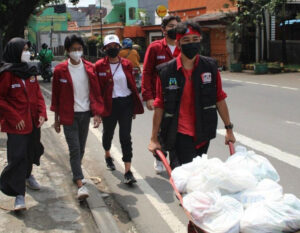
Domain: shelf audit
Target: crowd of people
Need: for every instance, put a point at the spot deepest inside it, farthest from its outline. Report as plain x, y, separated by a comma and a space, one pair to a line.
182, 87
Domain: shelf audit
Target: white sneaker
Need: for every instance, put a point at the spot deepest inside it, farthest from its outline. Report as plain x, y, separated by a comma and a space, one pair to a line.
32, 183
19, 203
82, 193
158, 166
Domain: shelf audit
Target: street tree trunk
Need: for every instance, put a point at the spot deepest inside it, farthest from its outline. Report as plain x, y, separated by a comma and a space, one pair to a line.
17, 24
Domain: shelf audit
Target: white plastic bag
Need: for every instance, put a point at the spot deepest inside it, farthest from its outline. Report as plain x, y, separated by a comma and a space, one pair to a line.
214, 213
182, 174
266, 190
258, 165
272, 216
214, 175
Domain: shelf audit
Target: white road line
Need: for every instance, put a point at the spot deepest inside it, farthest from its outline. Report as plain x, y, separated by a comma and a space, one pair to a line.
290, 88
268, 85
252, 83
261, 84
162, 208
293, 160
292, 123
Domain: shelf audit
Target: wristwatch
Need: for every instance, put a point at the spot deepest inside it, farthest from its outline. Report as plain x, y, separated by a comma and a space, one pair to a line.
230, 126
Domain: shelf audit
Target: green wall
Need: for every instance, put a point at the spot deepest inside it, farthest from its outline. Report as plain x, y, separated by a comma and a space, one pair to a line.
42, 22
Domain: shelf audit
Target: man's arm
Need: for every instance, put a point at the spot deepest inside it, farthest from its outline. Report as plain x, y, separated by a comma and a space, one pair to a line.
224, 114
157, 118
147, 76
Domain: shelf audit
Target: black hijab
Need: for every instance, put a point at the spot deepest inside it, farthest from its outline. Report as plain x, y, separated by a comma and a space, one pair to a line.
12, 59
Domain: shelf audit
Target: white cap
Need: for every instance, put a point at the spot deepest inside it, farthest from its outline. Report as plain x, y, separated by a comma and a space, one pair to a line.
111, 39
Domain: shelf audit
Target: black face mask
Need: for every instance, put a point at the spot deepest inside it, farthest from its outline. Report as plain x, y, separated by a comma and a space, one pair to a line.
172, 34
112, 52
190, 50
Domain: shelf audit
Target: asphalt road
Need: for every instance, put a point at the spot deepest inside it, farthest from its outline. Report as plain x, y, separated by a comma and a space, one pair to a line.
266, 115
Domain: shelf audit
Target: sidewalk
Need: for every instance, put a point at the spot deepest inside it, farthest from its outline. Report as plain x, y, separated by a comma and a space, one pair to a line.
54, 208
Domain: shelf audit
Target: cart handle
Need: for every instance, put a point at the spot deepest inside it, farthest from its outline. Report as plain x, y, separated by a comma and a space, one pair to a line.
231, 148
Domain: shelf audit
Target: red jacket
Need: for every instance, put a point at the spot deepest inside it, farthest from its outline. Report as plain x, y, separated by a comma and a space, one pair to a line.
106, 84
20, 102
158, 52
63, 94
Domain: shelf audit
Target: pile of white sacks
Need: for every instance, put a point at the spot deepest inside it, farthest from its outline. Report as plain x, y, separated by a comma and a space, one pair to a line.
239, 195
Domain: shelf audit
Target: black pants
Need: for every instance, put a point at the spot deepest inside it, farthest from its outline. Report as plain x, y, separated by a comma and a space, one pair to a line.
76, 136
122, 112
185, 150
23, 150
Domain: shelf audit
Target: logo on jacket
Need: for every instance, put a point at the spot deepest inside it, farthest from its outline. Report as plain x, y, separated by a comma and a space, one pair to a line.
32, 79
16, 85
102, 74
206, 78
63, 80
172, 84
161, 57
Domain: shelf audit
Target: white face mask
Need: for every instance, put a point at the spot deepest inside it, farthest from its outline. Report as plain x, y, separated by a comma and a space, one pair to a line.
25, 57
76, 55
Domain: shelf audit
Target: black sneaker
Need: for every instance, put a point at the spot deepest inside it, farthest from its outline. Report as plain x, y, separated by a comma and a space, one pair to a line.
129, 178
110, 163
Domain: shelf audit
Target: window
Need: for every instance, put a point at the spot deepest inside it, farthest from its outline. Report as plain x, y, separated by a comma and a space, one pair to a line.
132, 13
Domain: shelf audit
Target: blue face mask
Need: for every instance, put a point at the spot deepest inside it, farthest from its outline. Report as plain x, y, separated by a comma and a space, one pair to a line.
191, 49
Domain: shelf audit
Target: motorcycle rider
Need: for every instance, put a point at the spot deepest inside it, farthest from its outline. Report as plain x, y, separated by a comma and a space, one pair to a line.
46, 56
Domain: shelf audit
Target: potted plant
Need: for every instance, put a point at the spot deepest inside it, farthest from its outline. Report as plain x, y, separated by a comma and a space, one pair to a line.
260, 68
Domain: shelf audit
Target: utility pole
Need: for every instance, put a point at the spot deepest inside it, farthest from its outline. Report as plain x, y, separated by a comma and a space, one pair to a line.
101, 31
51, 32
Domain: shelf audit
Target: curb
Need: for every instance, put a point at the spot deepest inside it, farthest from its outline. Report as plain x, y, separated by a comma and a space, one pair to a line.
101, 214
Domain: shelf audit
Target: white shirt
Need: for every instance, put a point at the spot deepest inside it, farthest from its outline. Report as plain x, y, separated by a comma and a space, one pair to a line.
120, 81
80, 87
172, 48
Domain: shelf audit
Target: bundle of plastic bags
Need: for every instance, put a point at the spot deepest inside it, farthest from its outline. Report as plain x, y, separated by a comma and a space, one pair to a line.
266, 190
210, 175
214, 213
258, 165
241, 194
272, 216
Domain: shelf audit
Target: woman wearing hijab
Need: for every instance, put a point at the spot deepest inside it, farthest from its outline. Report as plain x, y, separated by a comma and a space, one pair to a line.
23, 112
121, 102
75, 98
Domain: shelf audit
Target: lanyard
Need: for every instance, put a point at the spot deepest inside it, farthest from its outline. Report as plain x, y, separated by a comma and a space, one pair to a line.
116, 69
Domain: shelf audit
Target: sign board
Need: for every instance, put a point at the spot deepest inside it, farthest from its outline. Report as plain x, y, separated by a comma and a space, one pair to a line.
161, 11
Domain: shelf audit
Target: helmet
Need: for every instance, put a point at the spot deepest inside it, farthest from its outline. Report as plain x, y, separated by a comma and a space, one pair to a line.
127, 43
44, 46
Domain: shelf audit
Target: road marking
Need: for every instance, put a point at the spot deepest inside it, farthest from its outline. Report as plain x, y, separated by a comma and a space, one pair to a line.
162, 208
293, 160
268, 85
290, 88
261, 84
292, 123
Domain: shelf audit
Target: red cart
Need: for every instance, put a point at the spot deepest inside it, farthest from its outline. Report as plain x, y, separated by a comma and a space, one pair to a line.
192, 228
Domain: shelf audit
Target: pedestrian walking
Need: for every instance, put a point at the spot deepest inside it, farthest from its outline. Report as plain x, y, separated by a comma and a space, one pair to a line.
158, 52
121, 102
23, 112
189, 95
75, 98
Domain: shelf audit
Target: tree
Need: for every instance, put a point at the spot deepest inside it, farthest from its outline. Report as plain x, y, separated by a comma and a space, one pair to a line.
250, 15
14, 17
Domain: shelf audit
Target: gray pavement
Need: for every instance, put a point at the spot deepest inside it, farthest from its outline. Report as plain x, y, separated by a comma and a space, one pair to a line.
264, 108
